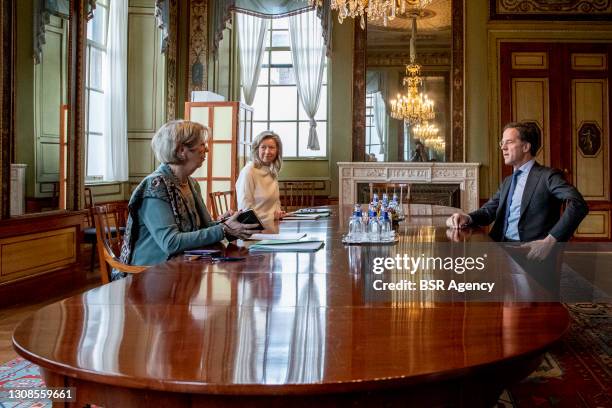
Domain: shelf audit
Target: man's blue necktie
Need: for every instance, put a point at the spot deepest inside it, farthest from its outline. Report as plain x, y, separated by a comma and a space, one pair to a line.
509, 198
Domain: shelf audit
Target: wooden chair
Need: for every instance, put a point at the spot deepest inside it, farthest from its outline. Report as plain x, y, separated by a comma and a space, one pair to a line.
110, 220
296, 194
89, 232
221, 201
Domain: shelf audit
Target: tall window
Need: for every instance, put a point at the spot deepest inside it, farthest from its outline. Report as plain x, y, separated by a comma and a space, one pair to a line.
372, 140
277, 106
94, 91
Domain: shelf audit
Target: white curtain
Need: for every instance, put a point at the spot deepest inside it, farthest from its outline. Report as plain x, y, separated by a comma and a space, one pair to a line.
308, 55
115, 89
380, 120
251, 44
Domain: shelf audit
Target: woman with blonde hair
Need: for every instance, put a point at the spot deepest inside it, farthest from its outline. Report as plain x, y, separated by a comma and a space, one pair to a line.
166, 213
257, 185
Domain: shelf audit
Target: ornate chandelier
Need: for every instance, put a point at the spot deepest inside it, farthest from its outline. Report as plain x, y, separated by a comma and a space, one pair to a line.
425, 131
414, 107
384, 10
437, 143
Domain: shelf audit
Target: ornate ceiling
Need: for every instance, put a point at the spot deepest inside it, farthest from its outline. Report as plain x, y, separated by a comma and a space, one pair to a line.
433, 29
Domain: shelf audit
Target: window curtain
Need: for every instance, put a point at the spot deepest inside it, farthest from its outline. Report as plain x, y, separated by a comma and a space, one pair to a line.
222, 12
115, 89
252, 32
308, 56
162, 17
380, 120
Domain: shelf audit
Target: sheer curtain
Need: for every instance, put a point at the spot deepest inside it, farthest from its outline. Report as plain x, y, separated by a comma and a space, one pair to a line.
251, 43
380, 120
115, 90
308, 55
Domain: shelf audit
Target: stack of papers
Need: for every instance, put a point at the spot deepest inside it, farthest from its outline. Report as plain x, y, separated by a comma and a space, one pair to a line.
322, 211
307, 214
283, 236
302, 217
289, 245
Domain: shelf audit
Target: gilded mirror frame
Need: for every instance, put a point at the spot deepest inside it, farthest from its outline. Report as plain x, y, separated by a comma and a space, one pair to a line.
76, 114
457, 150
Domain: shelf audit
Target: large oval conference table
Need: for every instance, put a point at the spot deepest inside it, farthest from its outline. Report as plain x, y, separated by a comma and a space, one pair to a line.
292, 329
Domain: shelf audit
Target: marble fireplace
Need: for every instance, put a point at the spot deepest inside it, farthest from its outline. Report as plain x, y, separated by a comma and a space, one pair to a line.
452, 184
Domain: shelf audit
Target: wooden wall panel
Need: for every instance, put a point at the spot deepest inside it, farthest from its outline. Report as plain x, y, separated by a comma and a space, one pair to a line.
590, 109
146, 92
596, 62
595, 225
142, 31
529, 60
141, 158
530, 102
566, 88
33, 253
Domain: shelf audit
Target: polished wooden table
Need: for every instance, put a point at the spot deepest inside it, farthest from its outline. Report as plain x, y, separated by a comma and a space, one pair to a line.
302, 329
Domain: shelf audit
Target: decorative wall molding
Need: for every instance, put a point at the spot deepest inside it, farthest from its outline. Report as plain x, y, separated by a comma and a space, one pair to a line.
463, 174
551, 10
401, 58
171, 63
457, 82
197, 68
359, 93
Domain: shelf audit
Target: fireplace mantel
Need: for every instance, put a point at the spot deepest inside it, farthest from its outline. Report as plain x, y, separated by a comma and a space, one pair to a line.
463, 174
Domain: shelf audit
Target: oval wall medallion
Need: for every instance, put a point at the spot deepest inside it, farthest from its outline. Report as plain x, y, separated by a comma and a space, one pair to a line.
589, 139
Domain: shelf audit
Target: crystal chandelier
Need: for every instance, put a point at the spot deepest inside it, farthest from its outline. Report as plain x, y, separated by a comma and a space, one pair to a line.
425, 131
384, 10
437, 143
414, 107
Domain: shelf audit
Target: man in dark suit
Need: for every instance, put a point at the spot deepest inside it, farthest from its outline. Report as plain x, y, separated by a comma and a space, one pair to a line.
527, 206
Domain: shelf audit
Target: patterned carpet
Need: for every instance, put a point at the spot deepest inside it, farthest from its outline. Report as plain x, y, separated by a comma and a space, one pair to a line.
575, 373
20, 373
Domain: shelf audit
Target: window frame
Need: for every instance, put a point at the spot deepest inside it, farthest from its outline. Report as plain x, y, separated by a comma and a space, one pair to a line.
102, 47
268, 65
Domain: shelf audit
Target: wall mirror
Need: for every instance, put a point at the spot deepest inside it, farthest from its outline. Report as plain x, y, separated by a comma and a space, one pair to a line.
385, 53
40, 106
389, 139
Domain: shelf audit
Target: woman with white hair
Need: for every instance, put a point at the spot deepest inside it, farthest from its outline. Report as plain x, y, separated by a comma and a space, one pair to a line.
166, 213
257, 185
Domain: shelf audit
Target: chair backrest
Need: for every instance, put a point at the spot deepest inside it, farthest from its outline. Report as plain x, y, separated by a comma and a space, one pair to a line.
110, 221
89, 203
296, 194
221, 201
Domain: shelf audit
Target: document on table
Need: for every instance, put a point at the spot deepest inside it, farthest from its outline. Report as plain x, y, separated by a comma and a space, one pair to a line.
287, 246
282, 236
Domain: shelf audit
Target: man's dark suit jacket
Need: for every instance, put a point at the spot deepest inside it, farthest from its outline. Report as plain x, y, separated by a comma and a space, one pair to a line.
545, 191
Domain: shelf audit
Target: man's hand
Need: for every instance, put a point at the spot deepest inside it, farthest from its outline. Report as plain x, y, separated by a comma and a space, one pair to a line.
457, 220
233, 229
226, 215
539, 250
279, 214
458, 235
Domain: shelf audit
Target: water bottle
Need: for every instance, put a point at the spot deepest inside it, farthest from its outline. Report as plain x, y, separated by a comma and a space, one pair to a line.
386, 230
373, 226
356, 225
397, 206
394, 203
